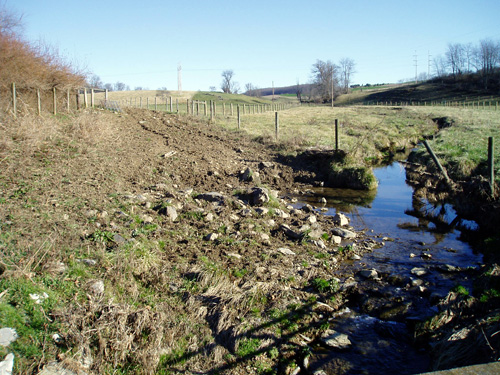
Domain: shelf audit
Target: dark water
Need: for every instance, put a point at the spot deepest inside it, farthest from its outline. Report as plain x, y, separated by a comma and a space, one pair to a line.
409, 227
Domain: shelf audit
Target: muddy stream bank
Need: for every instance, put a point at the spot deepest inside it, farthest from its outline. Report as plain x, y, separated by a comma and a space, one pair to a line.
395, 286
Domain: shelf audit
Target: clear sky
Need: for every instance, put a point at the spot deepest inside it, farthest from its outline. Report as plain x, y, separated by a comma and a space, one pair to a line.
142, 43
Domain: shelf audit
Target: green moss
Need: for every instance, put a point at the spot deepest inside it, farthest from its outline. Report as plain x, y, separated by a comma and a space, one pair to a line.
358, 178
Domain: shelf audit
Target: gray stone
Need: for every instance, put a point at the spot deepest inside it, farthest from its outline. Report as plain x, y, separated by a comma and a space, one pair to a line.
211, 237
265, 164
343, 233
89, 262
118, 239
281, 213
96, 287
368, 274
290, 232
286, 251
323, 200
211, 197
56, 368
259, 196
312, 219
171, 213
262, 211
336, 339
248, 175
307, 208
318, 243
234, 255
340, 220
8, 336
7, 365
336, 240
418, 271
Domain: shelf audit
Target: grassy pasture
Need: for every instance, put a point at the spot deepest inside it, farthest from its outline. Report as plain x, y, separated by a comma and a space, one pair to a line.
369, 133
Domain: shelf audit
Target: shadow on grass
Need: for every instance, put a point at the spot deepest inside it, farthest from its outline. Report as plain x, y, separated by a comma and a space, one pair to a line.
228, 341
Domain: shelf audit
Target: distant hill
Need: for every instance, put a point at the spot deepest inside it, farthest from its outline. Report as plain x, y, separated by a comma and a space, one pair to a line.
448, 89
280, 90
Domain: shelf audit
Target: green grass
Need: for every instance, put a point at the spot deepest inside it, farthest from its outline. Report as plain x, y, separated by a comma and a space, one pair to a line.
221, 98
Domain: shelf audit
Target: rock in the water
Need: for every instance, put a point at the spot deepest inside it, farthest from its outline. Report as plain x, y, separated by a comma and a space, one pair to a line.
368, 274
286, 251
336, 240
340, 220
343, 233
259, 196
7, 336
336, 339
7, 365
418, 271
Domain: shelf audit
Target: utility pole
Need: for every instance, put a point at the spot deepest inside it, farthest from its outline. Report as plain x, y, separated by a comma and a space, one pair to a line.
428, 65
179, 77
332, 88
416, 64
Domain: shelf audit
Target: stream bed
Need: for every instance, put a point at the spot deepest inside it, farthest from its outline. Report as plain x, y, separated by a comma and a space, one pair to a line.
414, 235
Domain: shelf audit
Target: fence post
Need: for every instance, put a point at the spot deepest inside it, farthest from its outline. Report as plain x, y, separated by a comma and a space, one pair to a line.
187, 106
211, 111
238, 114
78, 99
276, 124
38, 102
336, 134
92, 98
156, 103
67, 97
491, 164
147, 102
14, 99
223, 109
434, 157
106, 94
232, 113
177, 105
171, 105
205, 109
55, 100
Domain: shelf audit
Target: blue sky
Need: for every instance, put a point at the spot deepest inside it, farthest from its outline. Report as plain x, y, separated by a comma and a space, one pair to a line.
261, 41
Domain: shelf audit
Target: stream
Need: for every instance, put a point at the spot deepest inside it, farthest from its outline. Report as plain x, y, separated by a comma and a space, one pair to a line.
415, 234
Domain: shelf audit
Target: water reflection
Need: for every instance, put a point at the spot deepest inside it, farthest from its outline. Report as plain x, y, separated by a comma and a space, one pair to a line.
394, 210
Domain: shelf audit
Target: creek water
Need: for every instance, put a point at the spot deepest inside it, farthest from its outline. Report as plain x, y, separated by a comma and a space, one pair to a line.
409, 228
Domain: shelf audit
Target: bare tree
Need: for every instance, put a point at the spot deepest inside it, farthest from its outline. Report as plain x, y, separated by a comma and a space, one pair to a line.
347, 69
108, 86
487, 58
227, 85
298, 91
119, 86
11, 23
455, 57
325, 78
95, 82
440, 67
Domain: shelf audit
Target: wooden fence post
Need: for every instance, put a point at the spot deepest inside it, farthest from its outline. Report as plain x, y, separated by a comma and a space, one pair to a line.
177, 105
78, 99
336, 134
276, 124
14, 99
67, 98
38, 102
238, 114
55, 100
232, 113
92, 98
171, 105
187, 106
491, 164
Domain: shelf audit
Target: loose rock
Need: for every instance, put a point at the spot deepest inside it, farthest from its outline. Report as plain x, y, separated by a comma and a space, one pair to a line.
336, 339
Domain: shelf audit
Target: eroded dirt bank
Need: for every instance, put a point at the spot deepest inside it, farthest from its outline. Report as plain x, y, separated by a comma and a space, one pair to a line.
167, 245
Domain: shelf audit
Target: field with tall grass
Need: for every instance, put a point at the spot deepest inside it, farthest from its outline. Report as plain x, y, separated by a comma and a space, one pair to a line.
370, 134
